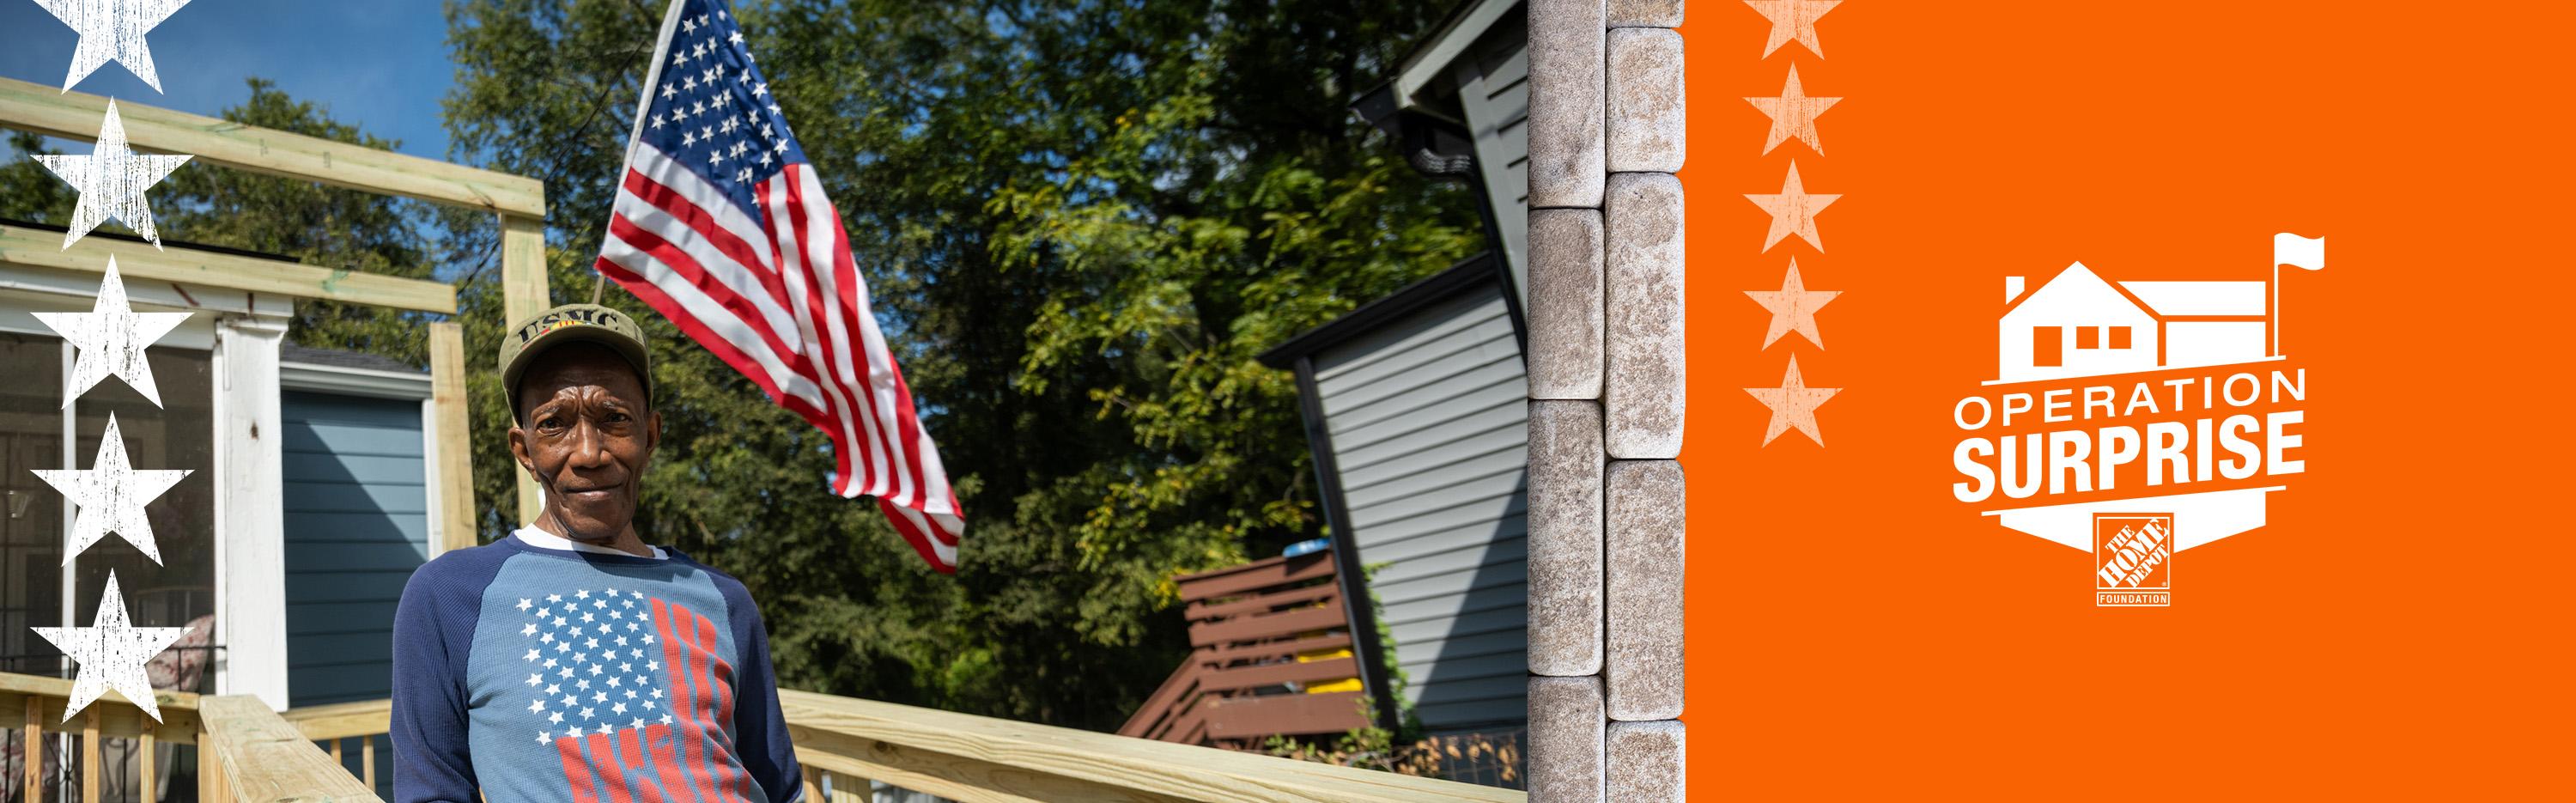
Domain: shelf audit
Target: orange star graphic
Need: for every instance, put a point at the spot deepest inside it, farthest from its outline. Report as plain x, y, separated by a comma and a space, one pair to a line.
1793, 211
1793, 114
1793, 307
1793, 404
1793, 19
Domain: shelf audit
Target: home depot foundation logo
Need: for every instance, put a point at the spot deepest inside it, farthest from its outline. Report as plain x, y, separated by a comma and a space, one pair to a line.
2132, 559
2114, 396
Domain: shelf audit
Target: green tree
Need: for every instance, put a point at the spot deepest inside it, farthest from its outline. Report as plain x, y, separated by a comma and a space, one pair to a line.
1080, 221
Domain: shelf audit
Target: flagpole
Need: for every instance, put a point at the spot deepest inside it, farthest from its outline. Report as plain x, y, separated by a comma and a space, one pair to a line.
643, 104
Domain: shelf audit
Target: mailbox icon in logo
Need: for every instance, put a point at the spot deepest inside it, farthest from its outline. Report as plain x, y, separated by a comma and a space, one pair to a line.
2133, 560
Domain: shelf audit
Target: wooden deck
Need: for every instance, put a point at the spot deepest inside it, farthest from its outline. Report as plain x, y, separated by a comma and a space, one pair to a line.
257, 755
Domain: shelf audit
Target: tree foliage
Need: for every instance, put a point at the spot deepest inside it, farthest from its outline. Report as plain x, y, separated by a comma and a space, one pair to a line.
1079, 220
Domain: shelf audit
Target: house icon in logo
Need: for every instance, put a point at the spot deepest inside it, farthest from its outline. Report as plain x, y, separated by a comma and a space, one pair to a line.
2080, 324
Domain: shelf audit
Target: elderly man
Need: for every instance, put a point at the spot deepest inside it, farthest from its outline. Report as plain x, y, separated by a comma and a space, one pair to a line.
572, 661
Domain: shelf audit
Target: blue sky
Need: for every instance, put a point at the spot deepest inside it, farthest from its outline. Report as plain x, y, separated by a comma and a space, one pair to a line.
379, 64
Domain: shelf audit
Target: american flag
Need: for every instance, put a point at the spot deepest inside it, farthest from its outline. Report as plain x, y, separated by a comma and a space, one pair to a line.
625, 687
722, 226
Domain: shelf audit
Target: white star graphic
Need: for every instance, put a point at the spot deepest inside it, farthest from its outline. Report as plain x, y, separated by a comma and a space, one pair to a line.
112, 31
111, 181
524, 603
541, 737
111, 338
111, 496
111, 653
1793, 404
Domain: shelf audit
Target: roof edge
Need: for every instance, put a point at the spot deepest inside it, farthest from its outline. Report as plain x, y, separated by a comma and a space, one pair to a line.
1463, 274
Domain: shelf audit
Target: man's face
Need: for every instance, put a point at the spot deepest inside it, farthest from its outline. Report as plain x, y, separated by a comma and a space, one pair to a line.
586, 432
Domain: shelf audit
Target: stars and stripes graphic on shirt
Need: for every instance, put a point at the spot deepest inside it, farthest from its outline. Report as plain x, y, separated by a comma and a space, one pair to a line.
622, 685
721, 225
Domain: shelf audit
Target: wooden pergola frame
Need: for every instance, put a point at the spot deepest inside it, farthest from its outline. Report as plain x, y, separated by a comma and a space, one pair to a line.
518, 201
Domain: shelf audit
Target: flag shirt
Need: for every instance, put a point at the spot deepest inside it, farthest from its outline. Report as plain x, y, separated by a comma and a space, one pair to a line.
531, 670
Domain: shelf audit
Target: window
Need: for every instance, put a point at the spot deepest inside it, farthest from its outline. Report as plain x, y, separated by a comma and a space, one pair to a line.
2119, 337
2088, 337
34, 428
2047, 346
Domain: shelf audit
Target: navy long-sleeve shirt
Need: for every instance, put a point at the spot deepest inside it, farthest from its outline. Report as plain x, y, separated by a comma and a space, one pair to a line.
547, 674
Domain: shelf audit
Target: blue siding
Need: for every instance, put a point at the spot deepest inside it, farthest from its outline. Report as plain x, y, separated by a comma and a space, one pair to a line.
1429, 417
357, 524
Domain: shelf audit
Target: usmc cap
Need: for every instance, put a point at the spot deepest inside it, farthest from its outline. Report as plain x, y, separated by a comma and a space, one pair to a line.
571, 323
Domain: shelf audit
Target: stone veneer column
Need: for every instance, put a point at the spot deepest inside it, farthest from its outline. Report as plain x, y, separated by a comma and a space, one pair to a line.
1606, 378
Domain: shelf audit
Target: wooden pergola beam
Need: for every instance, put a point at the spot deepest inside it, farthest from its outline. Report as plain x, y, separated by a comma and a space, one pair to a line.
43, 248
76, 115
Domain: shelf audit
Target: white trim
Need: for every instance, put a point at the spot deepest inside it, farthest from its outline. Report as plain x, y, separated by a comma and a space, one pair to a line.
250, 556
431, 482
170, 296
347, 381
1431, 61
196, 333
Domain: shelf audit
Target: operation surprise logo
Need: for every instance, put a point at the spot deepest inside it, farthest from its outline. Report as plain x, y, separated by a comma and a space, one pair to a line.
2136, 418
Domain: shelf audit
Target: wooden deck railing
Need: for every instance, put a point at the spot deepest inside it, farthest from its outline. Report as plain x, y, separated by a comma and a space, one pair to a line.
245, 752
844, 744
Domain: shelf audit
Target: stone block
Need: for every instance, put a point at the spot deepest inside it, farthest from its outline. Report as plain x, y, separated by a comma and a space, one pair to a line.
1645, 13
1647, 762
1566, 47
1567, 741
1644, 598
1644, 360
1565, 569
1646, 101
1565, 304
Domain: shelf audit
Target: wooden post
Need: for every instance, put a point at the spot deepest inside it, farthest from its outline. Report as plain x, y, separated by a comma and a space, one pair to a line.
90, 757
523, 293
151, 763
35, 746
455, 435
210, 772
814, 785
367, 760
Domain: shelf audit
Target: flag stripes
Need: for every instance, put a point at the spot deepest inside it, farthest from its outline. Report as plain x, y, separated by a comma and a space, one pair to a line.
721, 225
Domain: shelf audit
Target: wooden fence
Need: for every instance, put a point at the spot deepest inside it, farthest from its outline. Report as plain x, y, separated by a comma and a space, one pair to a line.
245, 752
1270, 654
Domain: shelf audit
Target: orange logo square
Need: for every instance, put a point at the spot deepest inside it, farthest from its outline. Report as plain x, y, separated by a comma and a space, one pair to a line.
2133, 560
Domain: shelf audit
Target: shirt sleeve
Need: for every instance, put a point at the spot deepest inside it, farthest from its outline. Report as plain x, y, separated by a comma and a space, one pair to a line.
760, 730
433, 631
